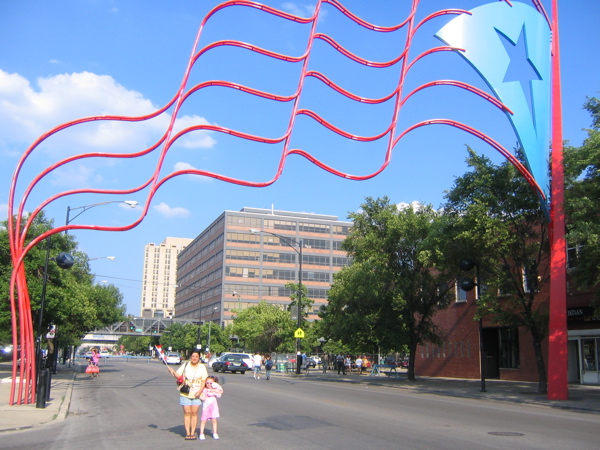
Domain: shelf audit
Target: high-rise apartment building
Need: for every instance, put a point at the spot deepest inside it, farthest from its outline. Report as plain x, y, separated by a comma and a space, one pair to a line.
160, 277
247, 256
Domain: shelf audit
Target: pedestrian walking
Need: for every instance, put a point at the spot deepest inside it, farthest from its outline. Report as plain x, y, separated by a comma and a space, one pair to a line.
348, 365
339, 362
210, 407
359, 364
257, 361
268, 366
191, 378
94, 360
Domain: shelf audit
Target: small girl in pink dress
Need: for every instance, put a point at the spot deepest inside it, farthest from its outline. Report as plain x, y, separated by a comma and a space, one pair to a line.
210, 408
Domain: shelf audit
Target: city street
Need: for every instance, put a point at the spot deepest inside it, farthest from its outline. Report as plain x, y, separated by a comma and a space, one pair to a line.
134, 404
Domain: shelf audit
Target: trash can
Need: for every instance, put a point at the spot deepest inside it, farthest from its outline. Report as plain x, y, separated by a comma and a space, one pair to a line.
281, 367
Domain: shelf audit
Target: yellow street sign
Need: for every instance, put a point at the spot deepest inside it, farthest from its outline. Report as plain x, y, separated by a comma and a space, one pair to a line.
299, 333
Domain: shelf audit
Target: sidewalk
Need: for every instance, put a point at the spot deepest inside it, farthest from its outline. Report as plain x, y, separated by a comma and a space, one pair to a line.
581, 398
21, 417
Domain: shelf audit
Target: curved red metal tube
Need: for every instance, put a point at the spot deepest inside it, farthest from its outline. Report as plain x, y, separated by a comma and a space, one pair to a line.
18, 228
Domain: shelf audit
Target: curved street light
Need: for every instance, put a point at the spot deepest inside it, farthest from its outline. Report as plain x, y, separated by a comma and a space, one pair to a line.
236, 294
292, 243
210, 326
84, 208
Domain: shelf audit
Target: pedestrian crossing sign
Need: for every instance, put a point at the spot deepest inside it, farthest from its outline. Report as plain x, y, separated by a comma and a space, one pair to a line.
299, 333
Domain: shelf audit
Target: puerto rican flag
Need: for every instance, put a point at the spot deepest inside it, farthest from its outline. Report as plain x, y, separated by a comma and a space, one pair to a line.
160, 353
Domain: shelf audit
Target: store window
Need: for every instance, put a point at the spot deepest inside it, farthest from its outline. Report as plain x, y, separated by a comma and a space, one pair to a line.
590, 354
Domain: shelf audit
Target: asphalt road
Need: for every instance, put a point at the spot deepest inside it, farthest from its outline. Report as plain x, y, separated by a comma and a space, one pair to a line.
134, 405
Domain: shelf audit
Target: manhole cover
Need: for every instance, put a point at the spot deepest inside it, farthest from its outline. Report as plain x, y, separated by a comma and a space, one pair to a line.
505, 433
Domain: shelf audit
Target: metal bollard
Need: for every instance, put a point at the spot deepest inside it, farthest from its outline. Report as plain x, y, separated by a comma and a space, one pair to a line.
48, 385
41, 389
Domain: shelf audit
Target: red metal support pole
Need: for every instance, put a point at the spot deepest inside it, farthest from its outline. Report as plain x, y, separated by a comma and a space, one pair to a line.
557, 335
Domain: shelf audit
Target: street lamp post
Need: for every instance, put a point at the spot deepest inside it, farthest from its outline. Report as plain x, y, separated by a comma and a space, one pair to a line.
292, 243
209, 327
64, 261
236, 294
84, 208
468, 285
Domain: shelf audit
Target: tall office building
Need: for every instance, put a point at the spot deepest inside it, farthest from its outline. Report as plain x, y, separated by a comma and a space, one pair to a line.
250, 255
160, 277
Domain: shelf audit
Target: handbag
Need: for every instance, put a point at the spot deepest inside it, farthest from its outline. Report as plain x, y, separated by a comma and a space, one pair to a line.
182, 386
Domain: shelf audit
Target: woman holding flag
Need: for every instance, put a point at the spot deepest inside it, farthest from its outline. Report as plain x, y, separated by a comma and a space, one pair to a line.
193, 374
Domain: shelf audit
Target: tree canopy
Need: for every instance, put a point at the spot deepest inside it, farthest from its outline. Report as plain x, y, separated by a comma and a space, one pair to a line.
495, 217
386, 299
73, 303
582, 203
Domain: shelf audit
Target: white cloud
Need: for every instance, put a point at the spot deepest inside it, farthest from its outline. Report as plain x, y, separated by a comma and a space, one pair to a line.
3, 211
299, 10
167, 211
197, 178
27, 111
78, 175
193, 139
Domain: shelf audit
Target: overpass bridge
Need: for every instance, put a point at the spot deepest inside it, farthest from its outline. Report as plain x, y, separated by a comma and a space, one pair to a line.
137, 326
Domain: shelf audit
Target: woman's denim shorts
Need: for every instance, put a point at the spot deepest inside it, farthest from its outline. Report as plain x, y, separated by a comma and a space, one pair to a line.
184, 401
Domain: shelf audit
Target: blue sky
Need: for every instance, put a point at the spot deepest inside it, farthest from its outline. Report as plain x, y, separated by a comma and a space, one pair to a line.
65, 60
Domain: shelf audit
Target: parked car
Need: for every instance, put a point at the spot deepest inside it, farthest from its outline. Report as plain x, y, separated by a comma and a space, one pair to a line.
173, 358
104, 354
212, 360
310, 362
230, 363
248, 359
314, 360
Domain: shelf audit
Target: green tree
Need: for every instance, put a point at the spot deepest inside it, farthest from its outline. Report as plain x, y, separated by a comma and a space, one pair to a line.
135, 344
73, 303
494, 217
265, 328
180, 338
387, 298
582, 203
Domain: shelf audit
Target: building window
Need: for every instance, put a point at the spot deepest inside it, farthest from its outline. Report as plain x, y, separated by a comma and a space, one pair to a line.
279, 274
245, 272
244, 255
313, 228
280, 225
509, 348
315, 276
530, 277
243, 221
341, 229
243, 238
340, 261
573, 256
288, 258
316, 260
316, 243
461, 295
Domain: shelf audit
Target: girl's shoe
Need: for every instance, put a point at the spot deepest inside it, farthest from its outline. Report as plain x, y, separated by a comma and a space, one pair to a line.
202, 437
216, 436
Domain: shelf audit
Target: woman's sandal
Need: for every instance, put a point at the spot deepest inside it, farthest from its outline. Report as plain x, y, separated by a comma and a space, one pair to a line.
190, 437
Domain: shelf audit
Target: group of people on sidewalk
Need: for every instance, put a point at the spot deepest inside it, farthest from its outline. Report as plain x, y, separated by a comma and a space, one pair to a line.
344, 364
259, 361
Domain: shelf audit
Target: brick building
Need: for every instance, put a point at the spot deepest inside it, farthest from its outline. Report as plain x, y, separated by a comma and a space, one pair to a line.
509, 352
